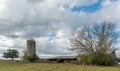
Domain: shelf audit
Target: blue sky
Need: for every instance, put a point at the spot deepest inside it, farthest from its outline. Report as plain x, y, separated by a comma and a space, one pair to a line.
88, 8
51, 22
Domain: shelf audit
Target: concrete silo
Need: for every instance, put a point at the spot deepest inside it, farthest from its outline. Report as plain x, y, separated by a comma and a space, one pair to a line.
31, 47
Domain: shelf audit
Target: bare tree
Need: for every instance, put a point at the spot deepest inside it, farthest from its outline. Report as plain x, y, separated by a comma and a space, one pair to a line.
95, 38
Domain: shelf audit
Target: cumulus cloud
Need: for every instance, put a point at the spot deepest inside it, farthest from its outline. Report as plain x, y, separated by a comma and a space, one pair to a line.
49, 22
106, 2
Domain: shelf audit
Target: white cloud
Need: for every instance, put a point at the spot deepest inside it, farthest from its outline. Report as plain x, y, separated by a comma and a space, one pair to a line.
6, 42
106, 2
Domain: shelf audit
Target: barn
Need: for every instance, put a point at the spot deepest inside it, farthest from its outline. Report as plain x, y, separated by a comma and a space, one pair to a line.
63, 59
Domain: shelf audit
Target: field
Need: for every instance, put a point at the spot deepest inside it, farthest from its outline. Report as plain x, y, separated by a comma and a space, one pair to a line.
20, 66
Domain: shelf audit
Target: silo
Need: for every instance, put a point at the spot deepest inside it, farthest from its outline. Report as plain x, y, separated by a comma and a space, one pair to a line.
31, 47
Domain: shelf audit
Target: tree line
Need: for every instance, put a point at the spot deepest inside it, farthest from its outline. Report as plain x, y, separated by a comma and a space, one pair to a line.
96, 44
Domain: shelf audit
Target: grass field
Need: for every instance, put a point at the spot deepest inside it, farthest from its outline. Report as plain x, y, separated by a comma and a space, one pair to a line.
14, 66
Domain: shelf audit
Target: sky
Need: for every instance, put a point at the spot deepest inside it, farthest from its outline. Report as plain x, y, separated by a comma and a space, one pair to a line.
51, 23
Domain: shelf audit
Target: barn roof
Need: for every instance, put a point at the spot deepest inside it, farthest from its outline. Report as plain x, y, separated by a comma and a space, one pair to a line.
64, 57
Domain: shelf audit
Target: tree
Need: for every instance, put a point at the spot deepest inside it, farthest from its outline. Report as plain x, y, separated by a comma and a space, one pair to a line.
97, 39
11, 53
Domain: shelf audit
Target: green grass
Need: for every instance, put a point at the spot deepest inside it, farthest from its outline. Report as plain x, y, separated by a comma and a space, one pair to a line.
14, 66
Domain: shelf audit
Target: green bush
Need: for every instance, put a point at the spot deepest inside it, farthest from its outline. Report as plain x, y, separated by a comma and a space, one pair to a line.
104, 59
86, 59
30, 58
97, 59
